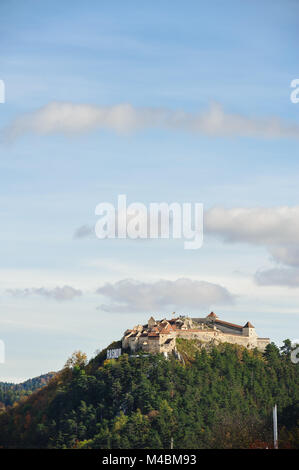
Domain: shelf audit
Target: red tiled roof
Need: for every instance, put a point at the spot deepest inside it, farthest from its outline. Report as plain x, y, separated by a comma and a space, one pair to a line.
212, 315
248, 325
165, 331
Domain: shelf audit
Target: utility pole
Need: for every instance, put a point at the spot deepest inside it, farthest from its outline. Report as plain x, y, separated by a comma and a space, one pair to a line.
171, 443
275, 435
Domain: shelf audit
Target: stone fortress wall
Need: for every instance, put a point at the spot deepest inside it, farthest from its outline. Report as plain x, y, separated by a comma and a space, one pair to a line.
159, 336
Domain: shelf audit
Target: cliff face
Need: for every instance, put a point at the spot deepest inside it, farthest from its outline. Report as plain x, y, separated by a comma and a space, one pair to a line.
160, 336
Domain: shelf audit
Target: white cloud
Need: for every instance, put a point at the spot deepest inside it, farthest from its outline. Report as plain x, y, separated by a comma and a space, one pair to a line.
57, 293
129, 295
259, 226
288, 254
70, 118
287, 277
277, 229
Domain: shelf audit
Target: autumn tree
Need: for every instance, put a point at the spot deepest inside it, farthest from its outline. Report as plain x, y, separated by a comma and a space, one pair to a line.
77, 359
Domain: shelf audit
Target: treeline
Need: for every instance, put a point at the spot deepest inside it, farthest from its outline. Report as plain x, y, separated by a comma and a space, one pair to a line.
11, 393
221, 398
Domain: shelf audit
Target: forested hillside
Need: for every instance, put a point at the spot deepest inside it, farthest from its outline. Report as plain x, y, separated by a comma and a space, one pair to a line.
11, 393
220, 398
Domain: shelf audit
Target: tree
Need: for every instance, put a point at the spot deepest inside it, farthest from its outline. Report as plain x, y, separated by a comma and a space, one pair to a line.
286, 348
271, 352
77, 359
220, 398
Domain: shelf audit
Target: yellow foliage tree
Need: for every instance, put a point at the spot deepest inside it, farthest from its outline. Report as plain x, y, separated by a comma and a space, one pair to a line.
78, 358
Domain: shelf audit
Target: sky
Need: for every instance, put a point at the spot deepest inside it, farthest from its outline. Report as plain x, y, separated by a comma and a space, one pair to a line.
163, 101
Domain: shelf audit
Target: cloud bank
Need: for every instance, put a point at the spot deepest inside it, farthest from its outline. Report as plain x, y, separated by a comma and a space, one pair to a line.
259, 226
129, 295
272, 227
287, 277
277, 229
69, 118
58, 293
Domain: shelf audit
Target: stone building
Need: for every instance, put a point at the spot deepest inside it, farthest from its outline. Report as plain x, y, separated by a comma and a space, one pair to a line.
159, 336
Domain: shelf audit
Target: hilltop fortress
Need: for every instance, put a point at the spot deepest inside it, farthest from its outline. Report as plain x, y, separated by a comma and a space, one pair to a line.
159, 336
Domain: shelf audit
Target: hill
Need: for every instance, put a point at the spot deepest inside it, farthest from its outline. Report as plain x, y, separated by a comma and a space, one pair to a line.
11, 393
216, 398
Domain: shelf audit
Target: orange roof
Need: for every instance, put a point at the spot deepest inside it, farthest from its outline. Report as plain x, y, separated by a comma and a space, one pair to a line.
212, 315
165, 331
248, 325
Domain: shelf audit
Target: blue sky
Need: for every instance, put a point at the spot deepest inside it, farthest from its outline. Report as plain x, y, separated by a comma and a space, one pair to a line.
169, 55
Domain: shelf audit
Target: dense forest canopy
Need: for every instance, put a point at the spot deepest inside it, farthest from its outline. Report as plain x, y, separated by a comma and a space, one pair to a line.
11, 393
216, 398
